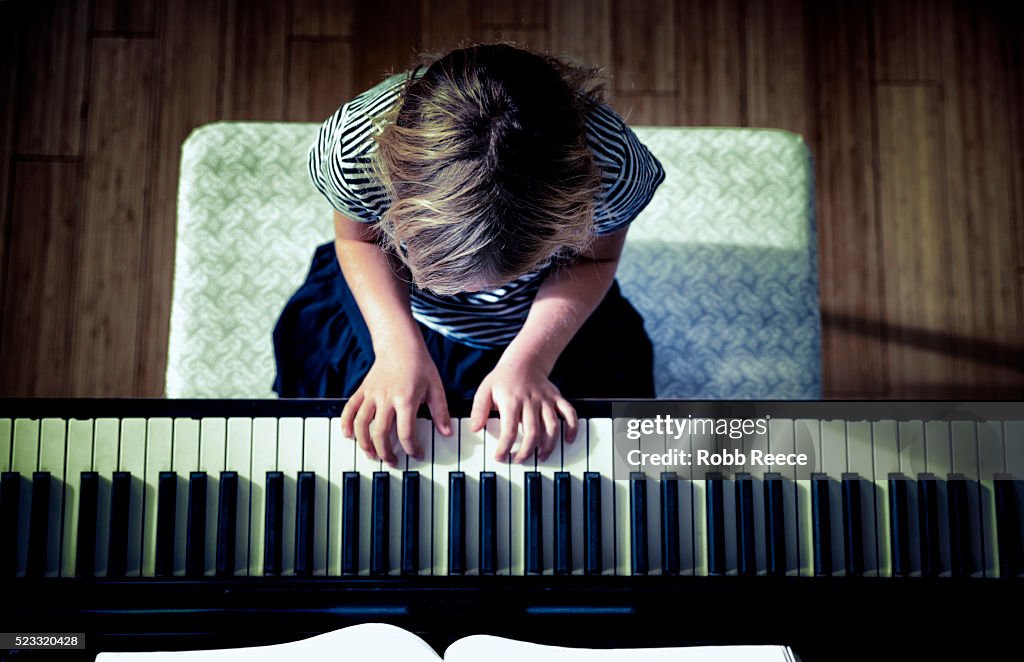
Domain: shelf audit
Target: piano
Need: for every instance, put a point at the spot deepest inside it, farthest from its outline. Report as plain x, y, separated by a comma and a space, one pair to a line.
156, 524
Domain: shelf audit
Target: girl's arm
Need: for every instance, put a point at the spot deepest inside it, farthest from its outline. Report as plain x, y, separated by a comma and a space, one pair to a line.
519, 386
403, 375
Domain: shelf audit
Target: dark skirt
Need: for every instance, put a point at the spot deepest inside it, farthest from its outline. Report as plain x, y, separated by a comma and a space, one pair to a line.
323, 349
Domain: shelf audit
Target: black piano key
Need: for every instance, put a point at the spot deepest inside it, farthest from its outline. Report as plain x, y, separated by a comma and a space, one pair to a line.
85, 552
959, 523
456, 523
120, 508
592, 561
638, 523
563, 523
380, 510
928, 523
774, 525
822, 525
227, 523
715, 523
38, 526
195, 530
10, 493
1008, 535
273, 532
411, 523
488, 523
899, 534
350, 523
166, 504
746, 550
305, 521
534, 548
670, 561
853, 536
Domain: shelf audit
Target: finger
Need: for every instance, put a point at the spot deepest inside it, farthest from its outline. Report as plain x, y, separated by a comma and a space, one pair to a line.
532, 432
509, 430
482, 405
405, 424
362, 429
348, 414
572, 421
438, 406
381, 432
552, 428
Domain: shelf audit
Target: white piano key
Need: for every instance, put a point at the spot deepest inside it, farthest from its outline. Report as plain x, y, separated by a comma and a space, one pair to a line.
701, 440
52, 452
807, 440
366, 468
25, 461
185, 460
782, 440
758, 442
289, 462
503, 489
723, 443
472, 459
425, 467
965, 461
886, 461
517, 511
1013, 447
342, 458
547, 470
212, 454
106, 439
316, 458
910, 435
264, 459
395, 506
239, 459
683, 445
133, 460
859, 452
446, 460
834, 463
601, 458
574, 461
159, 446
621, 470
991, 458
79, 459
5, 444
939, 461
654, 444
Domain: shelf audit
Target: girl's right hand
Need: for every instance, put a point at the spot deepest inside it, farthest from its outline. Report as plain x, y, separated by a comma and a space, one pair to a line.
391, 393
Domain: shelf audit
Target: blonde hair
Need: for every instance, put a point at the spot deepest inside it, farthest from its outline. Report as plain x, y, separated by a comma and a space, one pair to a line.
487, 166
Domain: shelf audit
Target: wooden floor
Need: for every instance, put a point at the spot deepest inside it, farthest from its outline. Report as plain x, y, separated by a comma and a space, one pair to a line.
913, 111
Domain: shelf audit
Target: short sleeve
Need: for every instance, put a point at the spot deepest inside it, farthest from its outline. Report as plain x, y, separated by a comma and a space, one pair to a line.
630, 174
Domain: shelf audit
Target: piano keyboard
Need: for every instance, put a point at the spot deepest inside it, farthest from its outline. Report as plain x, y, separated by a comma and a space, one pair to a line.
196, 495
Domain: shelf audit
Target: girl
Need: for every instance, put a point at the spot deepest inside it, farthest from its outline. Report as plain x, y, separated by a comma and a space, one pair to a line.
481, 204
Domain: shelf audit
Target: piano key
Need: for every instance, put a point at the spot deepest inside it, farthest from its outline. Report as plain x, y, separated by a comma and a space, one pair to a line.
446, 460
350, 523
834, 464
472, 462
503, 498
929, 524
52, 457
119, 548
990, 462
106, 439
938, 461
488, 523
654, 444
601, 460
166, 505
290, 441
965, 462
273, 529
547, 469
395, 478
184, 460
593, 561
669, 510
158, 451
622, 486
701, 534
77, 460
715, 523
859, 449
574, 461
1009, 536
316, 459
782, 440
264, 461
24, 462
227, 524
563, 523
39, 525
5, 445
212, 452
960, 561
305, 524
239, 460
775, 524
342, 461
853, 536
380, 514
807, 437
899, 539
10, 493
195, 533
910, 435
638, 535
456, 523
684, 488
411, 522
886, 462
821, 515
746, 562
533, 546
517, 501
425, 468
757, 471
1013, 529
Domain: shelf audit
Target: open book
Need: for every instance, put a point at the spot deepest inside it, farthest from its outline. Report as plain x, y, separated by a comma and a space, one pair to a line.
377, 641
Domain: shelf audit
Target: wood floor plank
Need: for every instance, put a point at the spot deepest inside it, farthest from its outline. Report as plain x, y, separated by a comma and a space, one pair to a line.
534, 39
776, 66
377, 53
1013, 48
51, 77
187, 86
319, 79
254, 60
906, 36
40, 282
711, 66
107, 287
515, 12
449, 24
10, 31
583, 31
125, 16
322, 18
644, 46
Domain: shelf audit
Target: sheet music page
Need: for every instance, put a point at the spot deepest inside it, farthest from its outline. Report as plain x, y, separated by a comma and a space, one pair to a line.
370, 643
498, 649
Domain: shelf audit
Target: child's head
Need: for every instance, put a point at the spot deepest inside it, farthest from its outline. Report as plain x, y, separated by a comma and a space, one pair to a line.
488, 168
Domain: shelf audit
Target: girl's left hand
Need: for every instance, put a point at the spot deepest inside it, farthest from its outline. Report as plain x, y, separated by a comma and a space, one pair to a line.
522, 393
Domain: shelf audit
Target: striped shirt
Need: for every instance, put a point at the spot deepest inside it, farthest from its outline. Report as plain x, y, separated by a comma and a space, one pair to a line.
340, 165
